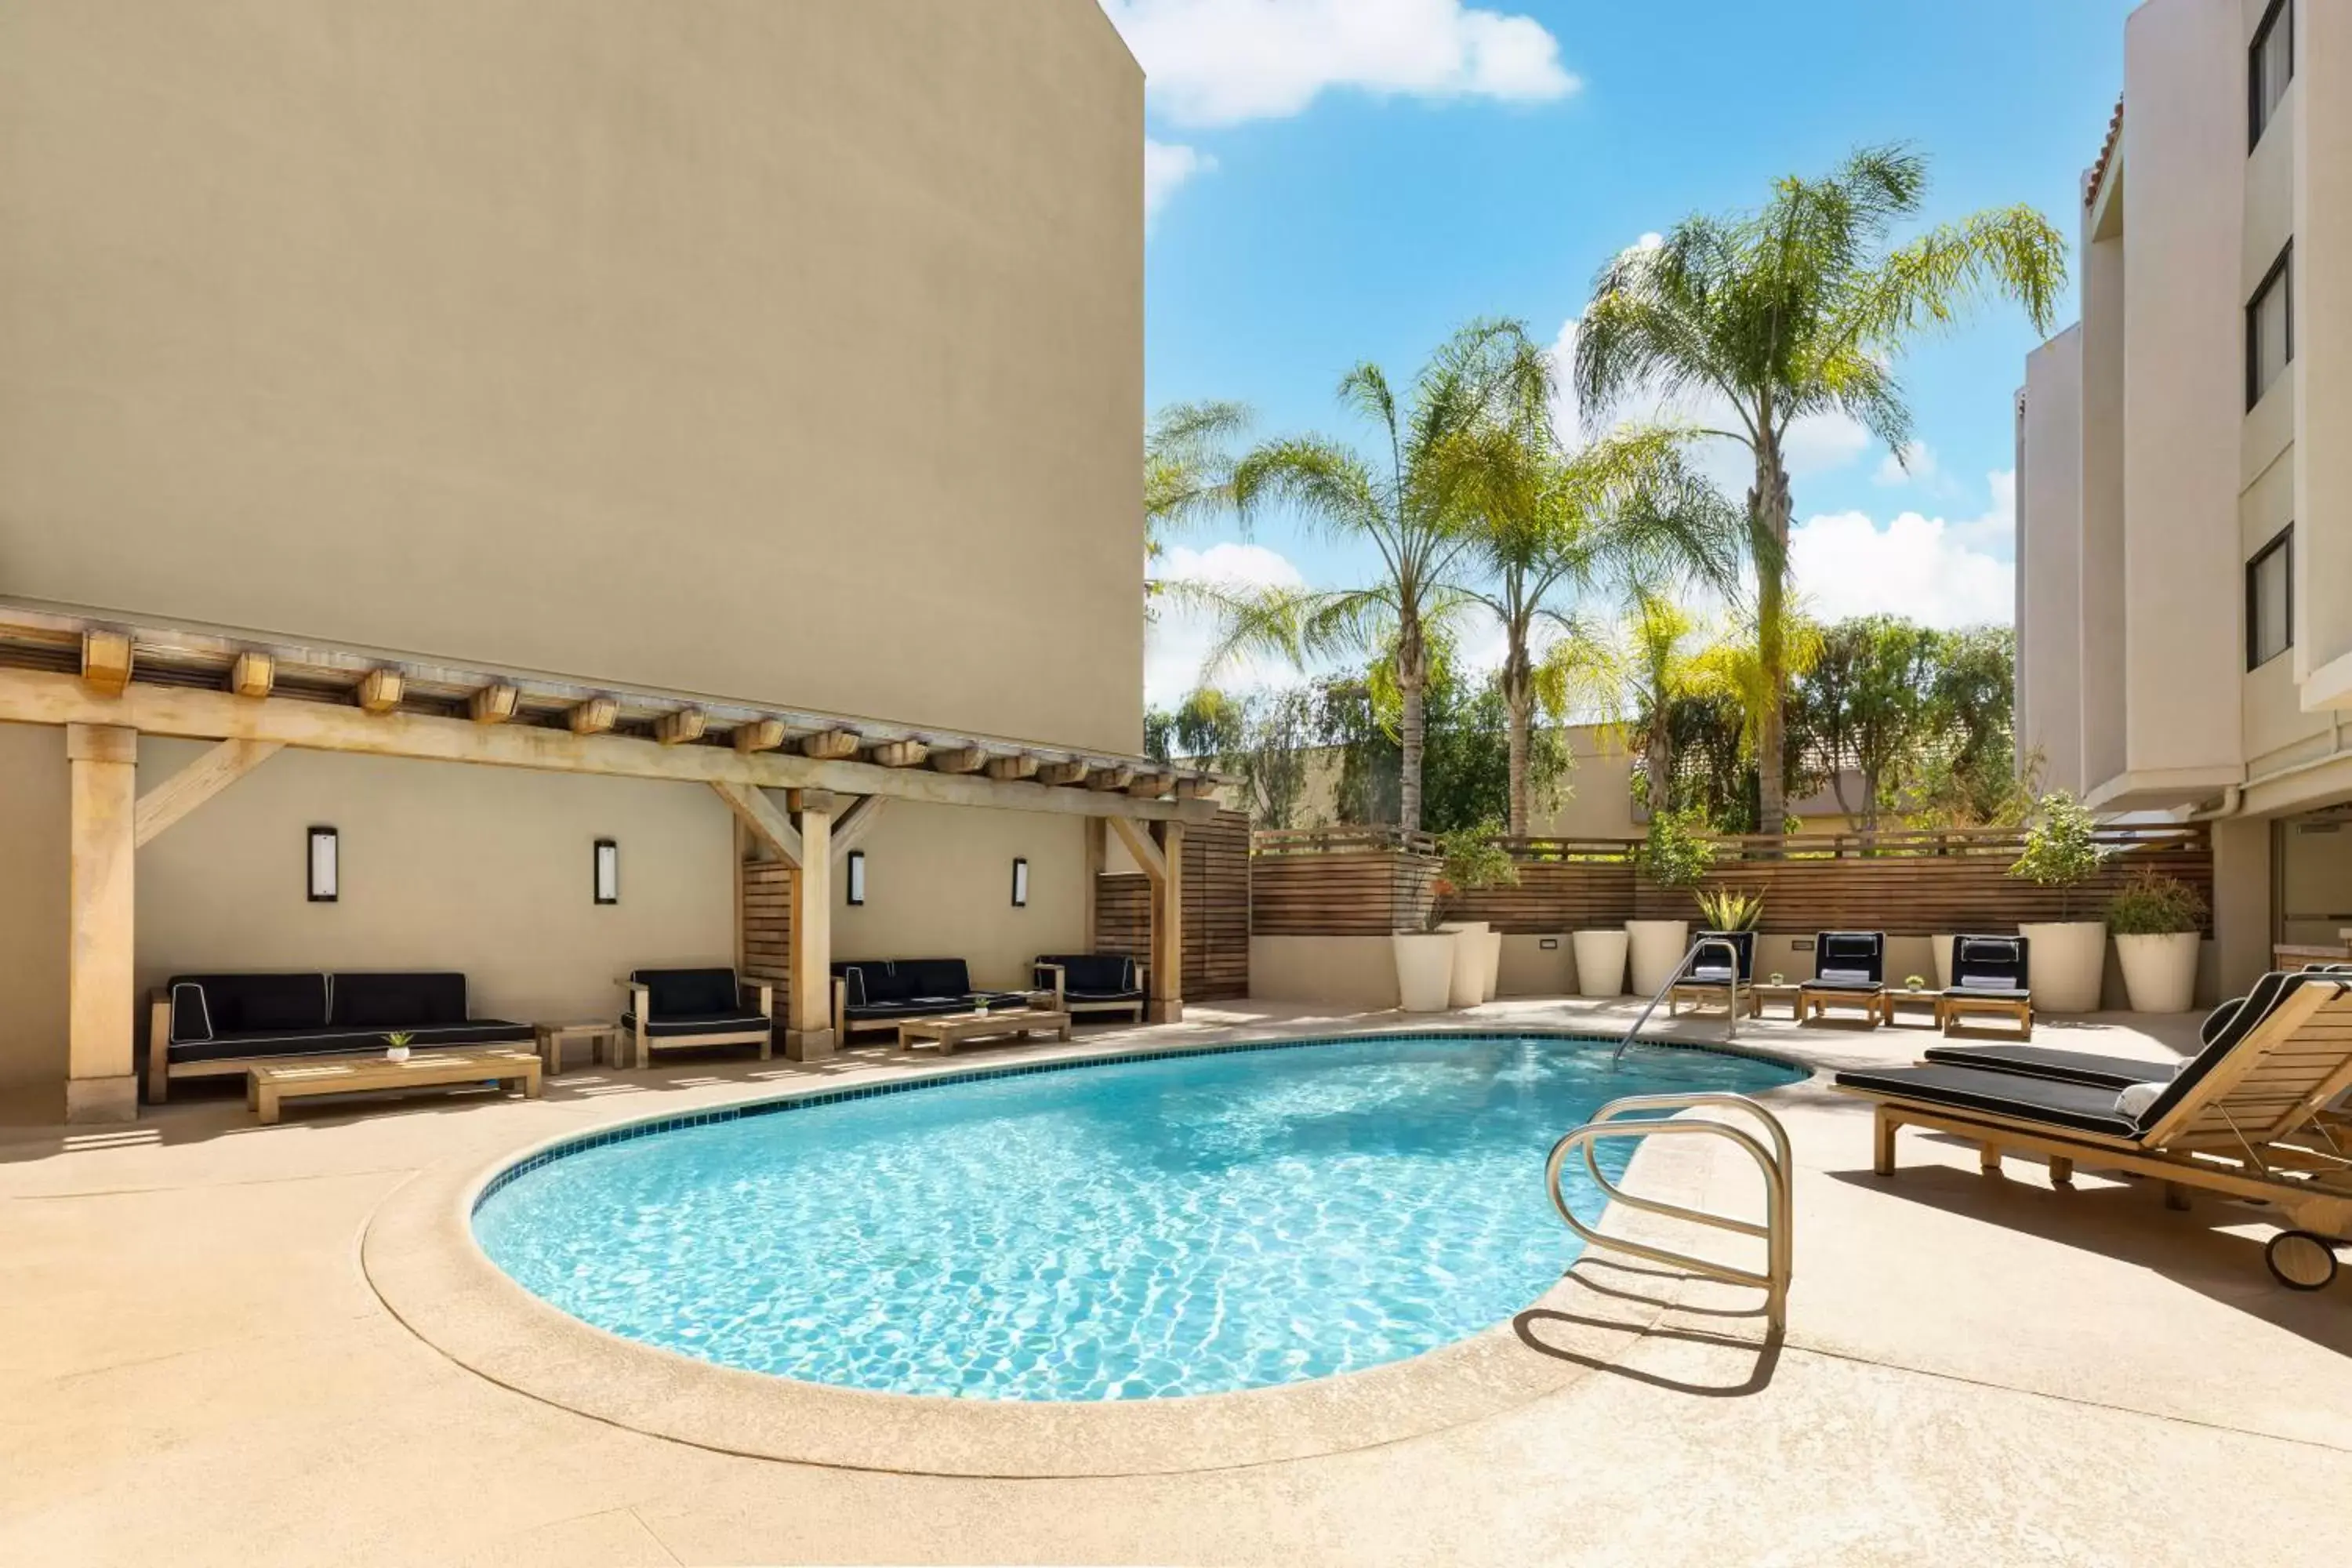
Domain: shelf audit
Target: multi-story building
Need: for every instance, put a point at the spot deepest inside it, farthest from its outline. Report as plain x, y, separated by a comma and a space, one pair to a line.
2184, 481
485, 429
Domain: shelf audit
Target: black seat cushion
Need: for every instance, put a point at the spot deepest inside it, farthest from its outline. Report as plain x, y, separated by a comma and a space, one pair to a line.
1096, 971
204, 1005
931, 977
688, 993
1708, 968
330, 1041
397, 1001
904, 1008
2264, 1000
729, 1023
2078, 1107
2086, 1067
1135, 996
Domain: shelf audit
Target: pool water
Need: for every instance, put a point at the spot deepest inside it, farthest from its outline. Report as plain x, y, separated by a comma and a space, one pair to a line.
1185, 1225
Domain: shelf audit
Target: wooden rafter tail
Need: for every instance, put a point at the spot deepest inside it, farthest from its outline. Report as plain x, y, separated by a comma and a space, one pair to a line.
682, 727
759, 735
1060, 773
253, 674
1195, 788
493, 704
595, 716
1021, 767
899, 754
1111, 778
831, 745
1149, 786
380, 690
958, 760
106, 661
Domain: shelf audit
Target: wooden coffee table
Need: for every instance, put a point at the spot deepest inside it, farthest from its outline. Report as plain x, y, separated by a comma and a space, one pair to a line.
949, 1030
306, 1078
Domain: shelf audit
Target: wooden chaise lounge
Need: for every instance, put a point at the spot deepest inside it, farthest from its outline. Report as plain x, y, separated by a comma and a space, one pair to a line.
2252, 1116
1849, 971
1990, 979
1712, 983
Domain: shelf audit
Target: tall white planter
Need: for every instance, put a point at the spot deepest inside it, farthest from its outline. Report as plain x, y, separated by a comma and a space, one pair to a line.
1600, 963
2067, 961
2159, 972
1489, 944
1657, 949
1942, 942
1424, 967
1467, 987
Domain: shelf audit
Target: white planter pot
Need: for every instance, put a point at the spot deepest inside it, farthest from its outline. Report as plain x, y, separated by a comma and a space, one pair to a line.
1424, 967
395, 1053
1942, 942
1657, 949
1467, 987
2067, 961
1600, 963
2159, 972
1489, 944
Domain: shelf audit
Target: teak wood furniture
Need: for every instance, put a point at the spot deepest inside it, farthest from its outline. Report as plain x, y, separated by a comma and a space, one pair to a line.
1712, 983
949, 1030
1891, 1002
1774, 993
603, 1035
672, 1009
1990, 979
1094, 983
220, 1025
268, 1084
1849, 971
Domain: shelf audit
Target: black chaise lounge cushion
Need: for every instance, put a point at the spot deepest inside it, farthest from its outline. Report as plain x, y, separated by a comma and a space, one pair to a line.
1990, 966
224, 1017
1708, 968
2080, 1107
686, 1023
1849, 961
2093, 1070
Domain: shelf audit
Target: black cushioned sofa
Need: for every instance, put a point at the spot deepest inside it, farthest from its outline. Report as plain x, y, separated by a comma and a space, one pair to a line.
210, 1026
1093, 983
873, 994
673, 1008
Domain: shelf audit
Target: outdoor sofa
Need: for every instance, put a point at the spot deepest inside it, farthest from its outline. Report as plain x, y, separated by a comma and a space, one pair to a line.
1849, 971
219, 1026
872, 994
1712, 981
674, 1009
1990, 977
2256, 1114
1093, 983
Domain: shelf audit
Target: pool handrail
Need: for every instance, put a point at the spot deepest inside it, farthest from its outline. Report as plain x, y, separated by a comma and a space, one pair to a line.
1682, 970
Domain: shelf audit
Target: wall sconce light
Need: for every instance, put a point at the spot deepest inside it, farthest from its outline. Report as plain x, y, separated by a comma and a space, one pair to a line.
1020, 883
857, 876
325, 868
608, 871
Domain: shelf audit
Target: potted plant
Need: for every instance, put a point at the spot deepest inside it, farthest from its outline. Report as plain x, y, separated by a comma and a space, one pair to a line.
2155, 922
1470, 859
2069, 956
1674, 856
1731, 909
396, 1046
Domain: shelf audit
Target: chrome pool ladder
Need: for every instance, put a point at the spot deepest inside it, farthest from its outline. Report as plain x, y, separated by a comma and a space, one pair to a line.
1682, 971
1775, 1164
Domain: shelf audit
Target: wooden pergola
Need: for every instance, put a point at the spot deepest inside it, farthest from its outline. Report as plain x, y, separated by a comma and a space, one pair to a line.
108, 682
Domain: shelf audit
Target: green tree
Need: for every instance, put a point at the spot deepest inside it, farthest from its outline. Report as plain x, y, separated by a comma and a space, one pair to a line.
1800, 308
1969, 774
1865, 707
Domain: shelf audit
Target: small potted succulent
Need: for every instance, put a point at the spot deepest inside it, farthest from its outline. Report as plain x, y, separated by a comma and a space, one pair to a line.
1674, 856
1915, 983
396, 1046
2069, 957
2155, 922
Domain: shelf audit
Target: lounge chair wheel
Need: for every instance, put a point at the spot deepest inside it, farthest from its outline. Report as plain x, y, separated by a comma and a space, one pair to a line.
2301, 1259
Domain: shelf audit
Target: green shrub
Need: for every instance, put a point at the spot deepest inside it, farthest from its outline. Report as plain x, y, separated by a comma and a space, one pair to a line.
2153, 904
1678, 851
2061, 848
1470, 858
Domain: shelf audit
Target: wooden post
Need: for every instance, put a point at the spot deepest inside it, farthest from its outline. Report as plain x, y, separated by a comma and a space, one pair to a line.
1167, 927
809, 1036
1095, 852
101, 1081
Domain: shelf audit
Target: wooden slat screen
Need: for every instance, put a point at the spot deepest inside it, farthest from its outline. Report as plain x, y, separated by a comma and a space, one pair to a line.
767, 927
1216, 909
1345, 892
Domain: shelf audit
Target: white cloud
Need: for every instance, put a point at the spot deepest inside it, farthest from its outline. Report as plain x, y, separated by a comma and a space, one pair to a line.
1221, 62
1917, 465
1927, 569
1166, 165
1179, 639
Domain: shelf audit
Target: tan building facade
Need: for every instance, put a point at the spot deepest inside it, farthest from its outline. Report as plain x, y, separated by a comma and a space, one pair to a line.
649, 398
2185, 508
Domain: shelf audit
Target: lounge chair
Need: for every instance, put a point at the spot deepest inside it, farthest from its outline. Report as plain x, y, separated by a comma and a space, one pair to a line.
1849, 971
1989, 978
1093, 983
1713, 983
2114, 1073
673, 1009
2247, 1117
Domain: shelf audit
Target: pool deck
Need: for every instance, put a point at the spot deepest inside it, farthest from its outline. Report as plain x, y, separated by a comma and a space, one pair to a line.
195, 1367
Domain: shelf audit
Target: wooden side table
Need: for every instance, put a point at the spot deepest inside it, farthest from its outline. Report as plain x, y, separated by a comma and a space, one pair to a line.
604, 1042
1765, 992
1891, 1000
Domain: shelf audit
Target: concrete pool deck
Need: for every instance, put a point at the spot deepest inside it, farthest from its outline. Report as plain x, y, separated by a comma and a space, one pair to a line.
194, 1367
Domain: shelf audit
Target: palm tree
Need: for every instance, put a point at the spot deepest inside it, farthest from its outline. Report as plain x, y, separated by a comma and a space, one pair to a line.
1654, 669
1802, 308
1624, 512
1187, 465
1400, 503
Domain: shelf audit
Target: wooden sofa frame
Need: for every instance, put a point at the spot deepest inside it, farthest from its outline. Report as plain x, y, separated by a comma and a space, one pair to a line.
641, 1003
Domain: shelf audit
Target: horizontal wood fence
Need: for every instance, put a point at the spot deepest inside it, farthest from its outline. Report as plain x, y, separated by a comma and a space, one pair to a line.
1216, 909
768, 928
1365, 882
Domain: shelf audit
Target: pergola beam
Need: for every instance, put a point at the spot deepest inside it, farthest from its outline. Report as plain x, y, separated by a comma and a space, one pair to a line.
850, 828
197, 783
41, 697
759, 814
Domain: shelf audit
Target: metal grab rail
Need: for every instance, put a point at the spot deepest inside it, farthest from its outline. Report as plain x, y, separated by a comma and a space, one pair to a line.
1776, 1165
1682, 970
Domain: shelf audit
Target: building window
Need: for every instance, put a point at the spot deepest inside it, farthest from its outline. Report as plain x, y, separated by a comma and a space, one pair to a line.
2270, 328
2270, 65
2269, 600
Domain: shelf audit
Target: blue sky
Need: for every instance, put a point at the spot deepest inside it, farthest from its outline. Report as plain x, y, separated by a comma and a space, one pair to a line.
1336, 180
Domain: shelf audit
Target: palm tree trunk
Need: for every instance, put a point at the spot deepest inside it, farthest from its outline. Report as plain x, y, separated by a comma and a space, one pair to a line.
1520, 706
1412, 678
1768, 510
1660, 766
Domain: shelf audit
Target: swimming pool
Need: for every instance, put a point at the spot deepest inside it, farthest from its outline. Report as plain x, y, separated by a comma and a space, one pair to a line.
1183, 1223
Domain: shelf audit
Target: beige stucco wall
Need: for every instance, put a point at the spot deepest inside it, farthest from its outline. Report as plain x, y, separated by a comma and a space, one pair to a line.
33, 808
938, 884
480, 869
1350, 971
2050, 561
790, 352
2099, 627
2322, 352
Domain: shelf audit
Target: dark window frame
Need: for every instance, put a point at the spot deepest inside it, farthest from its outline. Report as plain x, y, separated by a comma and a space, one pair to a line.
2281, 275
2256, 121
2283, 540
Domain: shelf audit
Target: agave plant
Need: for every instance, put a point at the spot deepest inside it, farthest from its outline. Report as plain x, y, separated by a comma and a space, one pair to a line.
1732, 909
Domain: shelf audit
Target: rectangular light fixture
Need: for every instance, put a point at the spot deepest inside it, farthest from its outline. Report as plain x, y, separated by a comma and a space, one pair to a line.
1020, 883
608, 871
857, 876
325, 866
